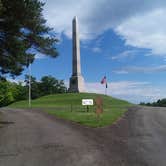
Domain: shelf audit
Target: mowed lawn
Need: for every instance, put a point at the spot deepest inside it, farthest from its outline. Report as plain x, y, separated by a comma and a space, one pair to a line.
69, 106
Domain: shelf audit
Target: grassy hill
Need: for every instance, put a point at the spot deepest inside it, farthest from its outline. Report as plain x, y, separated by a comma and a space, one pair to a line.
68, 106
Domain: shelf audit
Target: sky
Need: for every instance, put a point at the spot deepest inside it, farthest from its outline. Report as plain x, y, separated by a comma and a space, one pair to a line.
124, 40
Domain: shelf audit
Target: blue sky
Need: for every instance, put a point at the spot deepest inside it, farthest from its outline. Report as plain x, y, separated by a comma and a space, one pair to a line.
128, 44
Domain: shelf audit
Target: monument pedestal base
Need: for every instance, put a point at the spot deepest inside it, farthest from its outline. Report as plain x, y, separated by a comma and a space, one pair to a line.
76, 84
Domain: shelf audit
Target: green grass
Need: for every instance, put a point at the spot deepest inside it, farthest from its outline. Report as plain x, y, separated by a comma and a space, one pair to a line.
68, 106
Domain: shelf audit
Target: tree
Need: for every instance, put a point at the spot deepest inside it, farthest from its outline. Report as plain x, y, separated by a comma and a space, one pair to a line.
50, 85
6, 95
23, 33
0, 7
159, 103
60, 87
11, 92
142, 103
19, 91
47, 85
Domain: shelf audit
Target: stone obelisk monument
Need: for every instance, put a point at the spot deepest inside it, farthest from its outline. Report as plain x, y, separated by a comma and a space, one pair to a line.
76, 80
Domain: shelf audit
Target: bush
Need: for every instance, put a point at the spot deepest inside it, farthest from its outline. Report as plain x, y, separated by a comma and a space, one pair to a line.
6, 95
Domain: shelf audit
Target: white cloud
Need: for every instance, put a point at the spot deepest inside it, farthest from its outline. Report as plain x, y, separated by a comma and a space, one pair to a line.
132, 91
97, 16
40, 56
96, 49
135, 92
121, 71
135, 69
37, 54
147, 30
125, 54
17, 81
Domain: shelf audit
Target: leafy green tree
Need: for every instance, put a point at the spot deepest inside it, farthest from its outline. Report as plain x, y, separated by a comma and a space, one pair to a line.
23, 33
142, 103
11, 92
162, 103
19, 91
6, 95
0, 7
50, 85
47, 85
60, 87
159, 103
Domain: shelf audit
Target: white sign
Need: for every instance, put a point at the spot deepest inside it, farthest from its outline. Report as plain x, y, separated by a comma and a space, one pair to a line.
87, 101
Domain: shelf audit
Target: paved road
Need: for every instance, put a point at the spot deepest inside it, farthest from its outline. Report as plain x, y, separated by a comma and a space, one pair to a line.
147, 136
32, 138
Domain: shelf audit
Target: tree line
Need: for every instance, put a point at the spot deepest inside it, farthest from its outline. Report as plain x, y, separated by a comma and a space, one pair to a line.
158, 103
11, 92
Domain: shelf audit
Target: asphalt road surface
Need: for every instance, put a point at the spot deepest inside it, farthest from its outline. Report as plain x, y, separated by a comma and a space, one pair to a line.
33, 138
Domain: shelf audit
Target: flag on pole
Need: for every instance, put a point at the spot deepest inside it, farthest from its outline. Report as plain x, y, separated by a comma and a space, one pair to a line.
104, 81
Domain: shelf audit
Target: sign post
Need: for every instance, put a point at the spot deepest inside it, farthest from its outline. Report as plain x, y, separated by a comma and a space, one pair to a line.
87, 102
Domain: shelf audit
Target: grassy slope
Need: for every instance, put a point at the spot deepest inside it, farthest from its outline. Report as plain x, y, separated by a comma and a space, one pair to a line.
60, 105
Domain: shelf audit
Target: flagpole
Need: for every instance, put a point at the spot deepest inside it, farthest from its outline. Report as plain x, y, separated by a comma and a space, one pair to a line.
29, 98
106, 85
104, 81
105, 90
